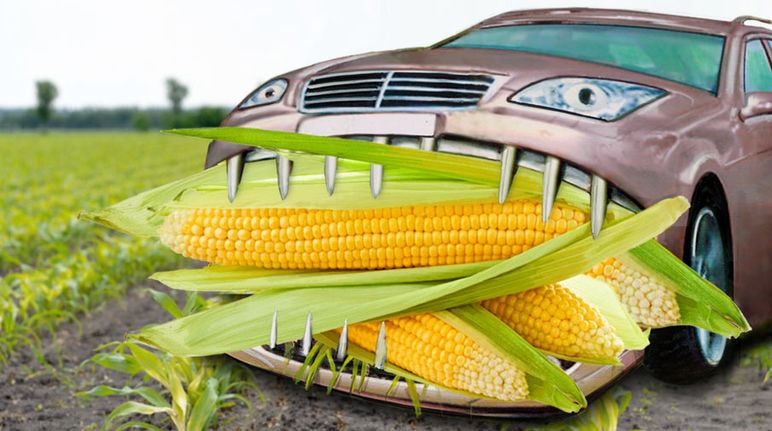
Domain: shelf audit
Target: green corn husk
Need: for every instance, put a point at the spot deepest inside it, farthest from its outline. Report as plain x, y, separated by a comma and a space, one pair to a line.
602, 297
413, 176
547, 383
701, 303
441, 165
144, 213
246, 322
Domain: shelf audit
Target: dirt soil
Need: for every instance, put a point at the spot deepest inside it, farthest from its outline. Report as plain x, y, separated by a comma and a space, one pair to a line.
37, 397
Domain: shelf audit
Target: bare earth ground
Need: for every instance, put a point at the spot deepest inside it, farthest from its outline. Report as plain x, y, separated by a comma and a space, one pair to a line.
33, 397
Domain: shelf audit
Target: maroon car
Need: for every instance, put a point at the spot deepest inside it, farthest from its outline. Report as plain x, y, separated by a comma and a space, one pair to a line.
633, 107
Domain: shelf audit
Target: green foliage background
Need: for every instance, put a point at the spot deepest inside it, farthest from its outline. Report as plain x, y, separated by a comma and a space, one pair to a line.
53, 266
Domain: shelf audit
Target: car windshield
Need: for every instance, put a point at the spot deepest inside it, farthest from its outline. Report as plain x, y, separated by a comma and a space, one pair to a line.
693, 59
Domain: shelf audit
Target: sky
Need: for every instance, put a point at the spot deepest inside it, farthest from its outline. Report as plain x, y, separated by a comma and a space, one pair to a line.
104, 53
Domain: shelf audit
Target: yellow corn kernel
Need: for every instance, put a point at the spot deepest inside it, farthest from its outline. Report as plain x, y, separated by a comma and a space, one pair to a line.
432, 349
392, 237
648, 301
554, 319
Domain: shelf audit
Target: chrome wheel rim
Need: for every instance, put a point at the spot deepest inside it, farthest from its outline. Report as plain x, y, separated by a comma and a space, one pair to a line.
708, 258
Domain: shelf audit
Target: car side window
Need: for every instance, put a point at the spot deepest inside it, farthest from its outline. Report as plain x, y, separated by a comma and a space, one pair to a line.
758, 72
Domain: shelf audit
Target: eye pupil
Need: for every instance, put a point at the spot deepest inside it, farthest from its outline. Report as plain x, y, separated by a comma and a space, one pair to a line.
586, 96
269, 92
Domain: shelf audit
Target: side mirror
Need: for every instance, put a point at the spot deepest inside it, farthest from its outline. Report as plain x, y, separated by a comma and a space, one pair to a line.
757, 104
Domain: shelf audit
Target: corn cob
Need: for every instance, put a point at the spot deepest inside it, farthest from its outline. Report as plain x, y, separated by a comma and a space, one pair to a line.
399, 237
647, 300
554, 319
434, 350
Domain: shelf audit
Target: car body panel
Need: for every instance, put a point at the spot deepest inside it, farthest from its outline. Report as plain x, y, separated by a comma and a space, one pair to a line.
661, 150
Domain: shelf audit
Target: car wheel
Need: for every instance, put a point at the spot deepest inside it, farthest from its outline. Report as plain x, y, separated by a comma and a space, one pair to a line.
684, 354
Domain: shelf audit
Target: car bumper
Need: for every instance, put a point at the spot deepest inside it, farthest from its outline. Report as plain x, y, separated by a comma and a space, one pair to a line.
593, 380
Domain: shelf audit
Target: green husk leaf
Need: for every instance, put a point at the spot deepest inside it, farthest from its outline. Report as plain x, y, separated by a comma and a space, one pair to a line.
701, 303
393, 385
569, 254
144, 213
138, 215
547, 383
363, 371
307, 362
364, 357
237, 279
314, 368
354, 373
414, 397
442, 164
246, 322
601, 296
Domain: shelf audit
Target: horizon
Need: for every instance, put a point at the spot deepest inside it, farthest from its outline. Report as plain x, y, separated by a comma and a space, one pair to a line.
98, 61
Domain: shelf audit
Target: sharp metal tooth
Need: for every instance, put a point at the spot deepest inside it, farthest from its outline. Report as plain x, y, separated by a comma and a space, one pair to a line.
274, 329
598, 202
376, 171
427, 143
340, 355
305, 347
283, 173
376, 179
234, 168
550, 185
380, 348
330, 166
508, 167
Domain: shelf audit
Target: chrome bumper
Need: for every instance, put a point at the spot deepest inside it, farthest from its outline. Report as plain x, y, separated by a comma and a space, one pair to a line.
591, 379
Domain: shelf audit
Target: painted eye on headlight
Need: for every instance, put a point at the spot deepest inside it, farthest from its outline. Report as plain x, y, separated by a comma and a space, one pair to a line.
270, 92
603, 99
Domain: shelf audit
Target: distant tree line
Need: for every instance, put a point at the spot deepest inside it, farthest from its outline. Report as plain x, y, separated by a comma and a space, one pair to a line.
113, 118
44, 116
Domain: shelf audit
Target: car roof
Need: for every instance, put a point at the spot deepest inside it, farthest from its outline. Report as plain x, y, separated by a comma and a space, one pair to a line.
620, 17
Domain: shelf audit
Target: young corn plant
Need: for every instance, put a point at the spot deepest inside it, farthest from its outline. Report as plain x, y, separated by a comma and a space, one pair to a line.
54, 268
193, 390
761, 357
601, 415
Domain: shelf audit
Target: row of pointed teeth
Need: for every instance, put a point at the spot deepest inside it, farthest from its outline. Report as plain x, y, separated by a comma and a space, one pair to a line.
510, 158
340, 355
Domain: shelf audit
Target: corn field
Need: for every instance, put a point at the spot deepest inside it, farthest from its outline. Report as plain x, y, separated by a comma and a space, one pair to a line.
54, 267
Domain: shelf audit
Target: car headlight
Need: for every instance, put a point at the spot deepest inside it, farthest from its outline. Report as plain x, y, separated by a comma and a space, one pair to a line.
270, 92
603, 99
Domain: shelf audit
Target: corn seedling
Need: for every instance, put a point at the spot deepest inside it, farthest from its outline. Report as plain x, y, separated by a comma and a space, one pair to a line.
602, 415
53, 268
193, 390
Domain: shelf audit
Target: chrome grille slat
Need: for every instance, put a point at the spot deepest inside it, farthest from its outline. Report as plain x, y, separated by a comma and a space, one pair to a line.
433, 89
431, 99
334, 83
343, 99
439, 81
368, 91
343, 91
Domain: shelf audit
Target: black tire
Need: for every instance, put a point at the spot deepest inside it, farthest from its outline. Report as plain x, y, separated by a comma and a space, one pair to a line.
684, 354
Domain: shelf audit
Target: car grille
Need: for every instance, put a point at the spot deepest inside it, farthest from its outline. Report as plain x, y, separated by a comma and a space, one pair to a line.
393, 91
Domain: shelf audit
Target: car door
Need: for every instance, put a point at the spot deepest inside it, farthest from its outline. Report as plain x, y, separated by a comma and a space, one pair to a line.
749, 181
